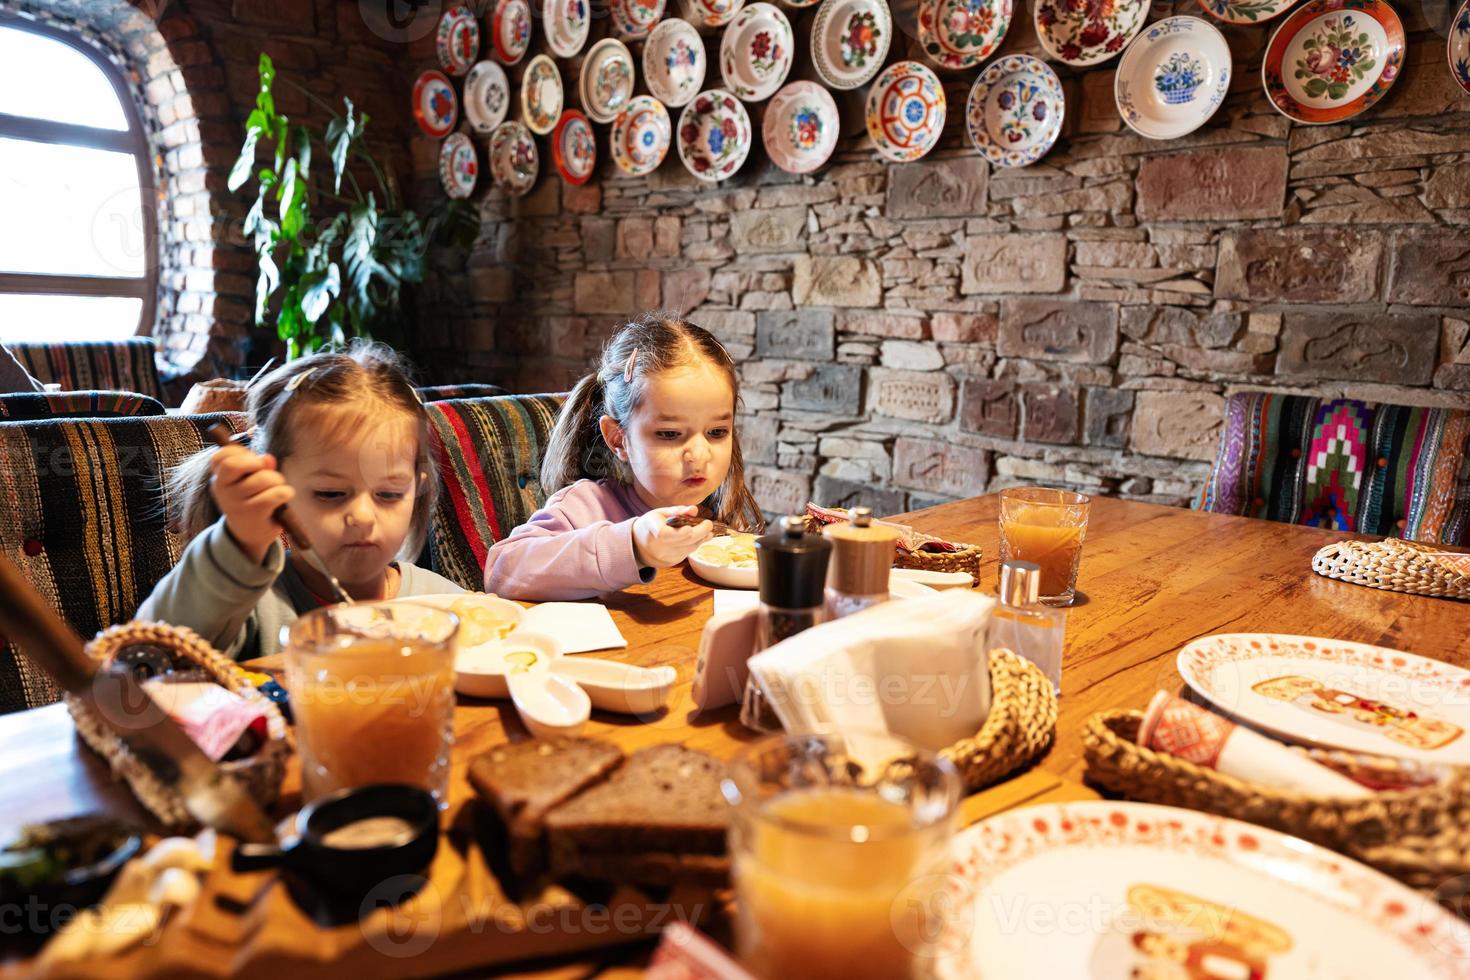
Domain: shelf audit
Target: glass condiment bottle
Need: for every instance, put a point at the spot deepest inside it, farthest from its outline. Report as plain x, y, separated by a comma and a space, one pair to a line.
1021, 624
862, 559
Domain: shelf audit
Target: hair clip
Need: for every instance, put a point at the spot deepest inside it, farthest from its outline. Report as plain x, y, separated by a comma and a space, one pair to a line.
297, 381
628, 368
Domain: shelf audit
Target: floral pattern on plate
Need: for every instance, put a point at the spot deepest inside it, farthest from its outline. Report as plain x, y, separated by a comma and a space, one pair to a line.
510, 30
850, 39
905, 113
458, 40
714, 135
574, 147
607, 79
674, 62
640, 136
1246, 11
710, 13
514, 162
486, 97
1333, 59
633, 19
458, 166
1015, 111
567, 23
541, 95
959, 34
755, 53
435, 105
1087, 32
801, 127
1172, 78
1459, 46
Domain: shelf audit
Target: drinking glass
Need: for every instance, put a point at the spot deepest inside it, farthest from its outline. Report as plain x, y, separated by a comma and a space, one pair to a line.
1045, 526
372, 690
839, 844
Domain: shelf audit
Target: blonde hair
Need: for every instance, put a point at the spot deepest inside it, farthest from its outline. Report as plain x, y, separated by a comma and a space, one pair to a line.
652, 344
363, 373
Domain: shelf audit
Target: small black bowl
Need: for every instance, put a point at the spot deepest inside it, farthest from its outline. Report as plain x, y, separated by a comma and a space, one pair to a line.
43, 906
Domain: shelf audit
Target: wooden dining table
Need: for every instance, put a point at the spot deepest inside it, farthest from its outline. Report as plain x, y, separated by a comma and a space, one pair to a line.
1152, 578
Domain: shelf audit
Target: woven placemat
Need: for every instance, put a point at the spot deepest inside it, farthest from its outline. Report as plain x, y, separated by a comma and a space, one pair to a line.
1398, 566
1019, 728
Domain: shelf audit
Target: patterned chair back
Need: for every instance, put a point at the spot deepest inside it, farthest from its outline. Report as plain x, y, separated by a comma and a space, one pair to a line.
85, 519
26, 406
490, 453
115, 365
1349, 465
440, 393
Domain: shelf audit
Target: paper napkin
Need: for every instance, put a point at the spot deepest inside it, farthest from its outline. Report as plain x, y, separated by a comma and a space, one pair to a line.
576, 626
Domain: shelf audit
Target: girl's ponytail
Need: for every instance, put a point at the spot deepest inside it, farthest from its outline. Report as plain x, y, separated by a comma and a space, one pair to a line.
576, 440
187, 497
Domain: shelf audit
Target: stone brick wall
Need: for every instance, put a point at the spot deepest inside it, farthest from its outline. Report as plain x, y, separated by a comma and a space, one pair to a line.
914, 333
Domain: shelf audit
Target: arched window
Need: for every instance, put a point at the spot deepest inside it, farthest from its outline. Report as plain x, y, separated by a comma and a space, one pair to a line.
77, 220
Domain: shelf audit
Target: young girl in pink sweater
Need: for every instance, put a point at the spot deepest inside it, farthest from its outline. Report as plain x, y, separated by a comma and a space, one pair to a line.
647, 436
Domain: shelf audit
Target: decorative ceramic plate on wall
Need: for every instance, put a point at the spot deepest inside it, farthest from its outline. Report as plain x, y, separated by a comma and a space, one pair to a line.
510, 30
633, 19
1015, 110
1459, 46
458, 166
714, 135
1246, 11
458, 40
486, 97
542, 97
640, 136
1333, 59
514, 161
566, 23
710, 13
800, 128
799, 4
959, 34
1172, 78
850, 39
607, 79
756, 51
1085, 33
574, 147
674, 62
905, 111
435, 105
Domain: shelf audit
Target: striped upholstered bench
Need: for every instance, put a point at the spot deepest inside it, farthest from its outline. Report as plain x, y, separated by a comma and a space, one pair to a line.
30, 405
106, 365
440, 393
1349, 465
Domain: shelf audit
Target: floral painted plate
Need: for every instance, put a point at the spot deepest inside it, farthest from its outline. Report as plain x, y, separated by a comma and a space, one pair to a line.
1114, 889
800, 128
959, 34
633, 19
1459, 46
714, 135
1172, 78
574, 147
513, 158
850, 39
640, 136
1087, 32
755, 53
905, 111
674, 62
1015, 110
1335, 694
510, 30
486, 97
1246, 11
458, 40
710, 13
567, 23
799, 4
458, 166
435, 105
1333, 59
541, 95
607, 79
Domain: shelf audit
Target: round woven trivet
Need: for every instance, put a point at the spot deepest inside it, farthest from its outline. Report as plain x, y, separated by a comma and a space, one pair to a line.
1399, 566
1020, 726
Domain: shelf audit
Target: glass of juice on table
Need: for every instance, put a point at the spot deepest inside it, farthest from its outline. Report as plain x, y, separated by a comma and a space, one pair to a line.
840, 846
372, 689
1045, 526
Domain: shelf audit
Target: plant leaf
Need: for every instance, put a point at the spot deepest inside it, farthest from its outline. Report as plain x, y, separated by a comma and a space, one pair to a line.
240, 172
317, 296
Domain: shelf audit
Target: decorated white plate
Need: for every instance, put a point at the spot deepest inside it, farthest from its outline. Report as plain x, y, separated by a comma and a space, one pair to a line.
1172, 78
1335, 694
674, 62
1333, 59
458, 40
607, 79
756, 51
1115, 890
541, 95
905, 112
850, 39
514, 162
800, 128
710, 13
799, 4
640, 136
714, 135
458, 167
633, 19
1086, 33
959, 34
486, 97
1459, 46
1015, 110
1245, 11
435, 105
574, 147
566, 23
510, 30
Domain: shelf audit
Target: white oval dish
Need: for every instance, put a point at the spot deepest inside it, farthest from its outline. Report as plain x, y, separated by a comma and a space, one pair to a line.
633, 19
640, 136
1172, 78
850, 39
801, 127
607, 80
615, 686
458, 166
514, 161
714, 135
542, 97
486, 97
905, 111
549, 705
566, 23
483, 671
756, 52
1015, 110
674, 62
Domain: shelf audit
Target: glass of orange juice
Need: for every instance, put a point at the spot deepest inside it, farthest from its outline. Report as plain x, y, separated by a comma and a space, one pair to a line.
372, 690
1045, 526
839, 844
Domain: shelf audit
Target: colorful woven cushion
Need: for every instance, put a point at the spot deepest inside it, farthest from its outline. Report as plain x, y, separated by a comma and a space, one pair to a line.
1349, 465
85, 520
27, 405
490, 452
121, 365
439, 393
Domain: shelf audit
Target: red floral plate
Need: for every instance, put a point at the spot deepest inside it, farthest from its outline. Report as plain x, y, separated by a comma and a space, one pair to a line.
574, 147
1087, 32
714, 135
1333, 59
458, 40
435, 105
959, 34
458, 166
510, 30
800, 128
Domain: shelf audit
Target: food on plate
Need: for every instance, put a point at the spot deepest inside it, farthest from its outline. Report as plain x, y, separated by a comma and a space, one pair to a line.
478, 623
729, 551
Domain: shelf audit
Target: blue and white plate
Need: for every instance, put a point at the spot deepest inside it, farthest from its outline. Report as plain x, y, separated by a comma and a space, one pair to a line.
1172, 78
1015, 111
1459, 46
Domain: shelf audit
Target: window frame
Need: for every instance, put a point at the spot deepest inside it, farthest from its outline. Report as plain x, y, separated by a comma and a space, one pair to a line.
133, 140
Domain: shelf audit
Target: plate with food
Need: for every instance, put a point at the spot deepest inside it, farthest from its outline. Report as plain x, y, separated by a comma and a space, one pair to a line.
727, 560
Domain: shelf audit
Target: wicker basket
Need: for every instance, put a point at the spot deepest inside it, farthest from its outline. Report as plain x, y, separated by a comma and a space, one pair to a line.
1419, 836
1019, 728
261, 773
1399, 566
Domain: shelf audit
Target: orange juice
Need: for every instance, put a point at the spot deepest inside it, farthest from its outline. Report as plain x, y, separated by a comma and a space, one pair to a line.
1046, 527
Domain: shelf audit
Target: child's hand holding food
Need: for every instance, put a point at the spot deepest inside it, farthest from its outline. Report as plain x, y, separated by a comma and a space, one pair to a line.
657, 545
